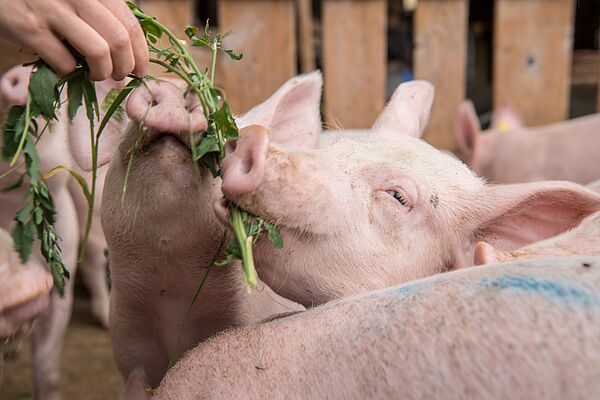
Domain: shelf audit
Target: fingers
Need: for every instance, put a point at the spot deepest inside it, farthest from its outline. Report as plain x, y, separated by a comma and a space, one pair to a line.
138, 41
105, 32
88, 43
51, 50
110, 28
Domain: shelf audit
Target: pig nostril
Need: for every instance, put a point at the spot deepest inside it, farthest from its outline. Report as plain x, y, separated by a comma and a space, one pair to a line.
14, 82
154, 103
191, 103
246, 166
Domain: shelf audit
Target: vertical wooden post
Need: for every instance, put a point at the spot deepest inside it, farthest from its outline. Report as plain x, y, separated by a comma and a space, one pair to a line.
307, 42
440, 56
12, 55
532, 57
266, 32
354, 60
175, 15
598, 85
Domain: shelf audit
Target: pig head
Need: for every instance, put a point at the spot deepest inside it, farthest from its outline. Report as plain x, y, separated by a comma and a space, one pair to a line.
162, 235
371, 213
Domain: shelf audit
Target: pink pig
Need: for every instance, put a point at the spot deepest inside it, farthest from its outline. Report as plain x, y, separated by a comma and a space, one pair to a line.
164, 235
368, 213
510, 152
62, 145
53, 149
527, 329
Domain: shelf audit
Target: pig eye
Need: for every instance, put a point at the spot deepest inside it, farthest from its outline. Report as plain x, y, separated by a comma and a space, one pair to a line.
398, 196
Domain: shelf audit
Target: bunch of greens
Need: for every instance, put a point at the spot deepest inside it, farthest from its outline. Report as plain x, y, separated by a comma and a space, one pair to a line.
22, 132
176, 58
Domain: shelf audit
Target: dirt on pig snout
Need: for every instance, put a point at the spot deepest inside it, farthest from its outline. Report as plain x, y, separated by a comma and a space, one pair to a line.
88, 370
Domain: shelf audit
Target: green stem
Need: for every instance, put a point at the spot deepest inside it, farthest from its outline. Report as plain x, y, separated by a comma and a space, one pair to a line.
245, 243
174, 70
213, 64
11, 170
92, 197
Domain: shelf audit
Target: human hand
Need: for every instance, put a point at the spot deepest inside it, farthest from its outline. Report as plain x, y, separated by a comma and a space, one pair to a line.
105, 32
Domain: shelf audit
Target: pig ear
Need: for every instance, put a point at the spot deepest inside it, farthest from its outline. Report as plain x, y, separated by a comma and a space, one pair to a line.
485, 253
408, 110
467, 130
506, 118
512, 216
292, 114
79, 136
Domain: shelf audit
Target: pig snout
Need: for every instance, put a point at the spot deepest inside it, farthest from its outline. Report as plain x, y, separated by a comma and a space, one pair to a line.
14, 86
162, 105
244, 168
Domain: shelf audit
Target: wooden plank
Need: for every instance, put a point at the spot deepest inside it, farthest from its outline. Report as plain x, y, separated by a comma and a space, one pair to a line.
175, 15
306, 39
354, 61
12, 55
532, 57
585, 68
265, 31
440, 56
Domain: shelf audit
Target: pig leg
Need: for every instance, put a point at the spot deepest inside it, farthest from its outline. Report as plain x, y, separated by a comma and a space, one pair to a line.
49, 332
93, 274
93, 267
47, 342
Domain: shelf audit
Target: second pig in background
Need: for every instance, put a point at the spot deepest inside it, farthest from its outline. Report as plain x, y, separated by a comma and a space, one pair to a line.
510, 152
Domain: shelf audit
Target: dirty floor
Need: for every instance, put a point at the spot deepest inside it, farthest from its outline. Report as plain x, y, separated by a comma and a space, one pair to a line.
88, 369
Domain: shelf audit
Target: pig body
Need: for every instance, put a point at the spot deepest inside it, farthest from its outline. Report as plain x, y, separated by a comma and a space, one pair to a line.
510, 152
164, 236
385, 208
527, 329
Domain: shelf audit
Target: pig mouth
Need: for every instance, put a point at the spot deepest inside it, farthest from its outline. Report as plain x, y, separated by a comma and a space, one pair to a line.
153, 137
162, 137
221, 209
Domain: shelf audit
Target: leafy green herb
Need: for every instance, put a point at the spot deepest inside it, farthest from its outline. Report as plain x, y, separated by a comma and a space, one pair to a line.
20, 135
109, 99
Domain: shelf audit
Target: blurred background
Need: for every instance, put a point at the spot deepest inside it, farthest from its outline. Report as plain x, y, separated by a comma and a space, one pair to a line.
541, 56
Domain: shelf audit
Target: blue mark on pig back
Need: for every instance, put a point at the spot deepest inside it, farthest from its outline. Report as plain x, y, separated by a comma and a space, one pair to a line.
404, 289
552, 290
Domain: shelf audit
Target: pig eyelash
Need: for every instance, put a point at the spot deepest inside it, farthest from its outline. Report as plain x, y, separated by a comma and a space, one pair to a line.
398, 196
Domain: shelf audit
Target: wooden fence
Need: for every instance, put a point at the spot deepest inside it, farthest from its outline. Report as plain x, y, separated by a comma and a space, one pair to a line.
531, 57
